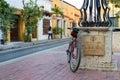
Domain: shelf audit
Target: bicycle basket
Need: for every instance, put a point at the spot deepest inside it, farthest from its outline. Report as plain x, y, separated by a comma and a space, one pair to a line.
74, 33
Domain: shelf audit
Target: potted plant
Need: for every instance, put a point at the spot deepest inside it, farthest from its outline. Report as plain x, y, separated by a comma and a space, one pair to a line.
57, 31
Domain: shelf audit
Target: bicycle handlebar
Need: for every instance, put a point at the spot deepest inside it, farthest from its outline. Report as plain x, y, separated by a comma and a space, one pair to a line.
86, 30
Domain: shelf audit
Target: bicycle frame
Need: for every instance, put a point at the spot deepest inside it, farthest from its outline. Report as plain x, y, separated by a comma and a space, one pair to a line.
74, 41
74, 50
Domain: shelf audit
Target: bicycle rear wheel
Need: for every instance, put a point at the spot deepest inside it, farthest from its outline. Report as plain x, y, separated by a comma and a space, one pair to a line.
69, 52
75, 57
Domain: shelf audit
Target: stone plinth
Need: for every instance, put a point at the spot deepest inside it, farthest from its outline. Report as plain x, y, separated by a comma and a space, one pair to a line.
116, 42
96, 48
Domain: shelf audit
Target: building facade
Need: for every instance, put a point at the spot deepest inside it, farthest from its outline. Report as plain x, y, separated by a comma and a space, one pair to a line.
71, 17
16, 34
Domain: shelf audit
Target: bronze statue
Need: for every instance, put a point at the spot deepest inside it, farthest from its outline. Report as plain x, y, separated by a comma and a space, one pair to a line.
95, 18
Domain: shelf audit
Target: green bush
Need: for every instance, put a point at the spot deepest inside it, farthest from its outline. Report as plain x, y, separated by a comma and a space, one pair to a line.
26, 38
57, 30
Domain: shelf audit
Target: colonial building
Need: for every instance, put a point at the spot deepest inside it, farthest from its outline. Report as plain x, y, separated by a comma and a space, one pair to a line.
71, 17
16, 34
45, 22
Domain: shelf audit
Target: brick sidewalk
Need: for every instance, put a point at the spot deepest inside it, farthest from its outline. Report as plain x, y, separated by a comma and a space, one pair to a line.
51, 65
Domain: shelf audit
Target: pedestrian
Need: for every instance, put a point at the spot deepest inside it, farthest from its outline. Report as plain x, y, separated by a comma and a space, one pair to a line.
50, 33
0, 36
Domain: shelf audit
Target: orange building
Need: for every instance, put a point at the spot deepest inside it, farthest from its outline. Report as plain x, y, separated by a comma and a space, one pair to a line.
71, 16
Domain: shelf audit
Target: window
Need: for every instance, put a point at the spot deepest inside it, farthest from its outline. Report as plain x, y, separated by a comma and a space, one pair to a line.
46, 24
58, 23
64, 26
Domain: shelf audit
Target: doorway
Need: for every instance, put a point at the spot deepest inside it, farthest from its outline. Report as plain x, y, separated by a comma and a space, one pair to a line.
14, 32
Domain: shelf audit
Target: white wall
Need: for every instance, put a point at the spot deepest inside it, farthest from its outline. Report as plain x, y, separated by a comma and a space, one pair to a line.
47, 6
16, 3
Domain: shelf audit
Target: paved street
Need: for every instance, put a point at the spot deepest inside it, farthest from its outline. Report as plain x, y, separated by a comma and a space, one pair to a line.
18, 52
51, 64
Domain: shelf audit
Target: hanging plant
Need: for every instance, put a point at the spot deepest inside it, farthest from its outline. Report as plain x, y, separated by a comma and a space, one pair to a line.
47, 13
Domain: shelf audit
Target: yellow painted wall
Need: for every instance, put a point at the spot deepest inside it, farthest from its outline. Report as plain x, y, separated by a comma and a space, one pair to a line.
69, 13
21, 30
67, 9
8, 36
57, 3
119, 22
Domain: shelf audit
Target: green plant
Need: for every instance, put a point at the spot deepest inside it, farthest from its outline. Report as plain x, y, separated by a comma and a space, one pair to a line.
57, 30
56, 10
31, 14
26, 38
7, 18
115, 2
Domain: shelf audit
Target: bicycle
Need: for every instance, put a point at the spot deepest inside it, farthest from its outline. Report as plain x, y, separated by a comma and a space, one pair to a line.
74, 51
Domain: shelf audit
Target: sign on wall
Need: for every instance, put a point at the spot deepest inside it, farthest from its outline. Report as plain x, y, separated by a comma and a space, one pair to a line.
93, 45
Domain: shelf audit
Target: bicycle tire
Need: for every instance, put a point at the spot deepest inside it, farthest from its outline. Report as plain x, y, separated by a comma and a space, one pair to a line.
74, 68
68, 51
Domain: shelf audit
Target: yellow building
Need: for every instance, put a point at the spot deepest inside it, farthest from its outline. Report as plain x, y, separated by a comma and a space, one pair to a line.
71, 16
113, 12
16, 33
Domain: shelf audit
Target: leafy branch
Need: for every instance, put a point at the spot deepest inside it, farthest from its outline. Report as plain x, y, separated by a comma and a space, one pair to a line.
30, 15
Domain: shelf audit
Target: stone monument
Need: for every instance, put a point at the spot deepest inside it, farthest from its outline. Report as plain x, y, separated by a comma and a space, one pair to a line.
97, 44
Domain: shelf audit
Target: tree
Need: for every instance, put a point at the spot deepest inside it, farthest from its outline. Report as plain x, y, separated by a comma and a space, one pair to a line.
116, 2
56, 10
6, 18
30, 15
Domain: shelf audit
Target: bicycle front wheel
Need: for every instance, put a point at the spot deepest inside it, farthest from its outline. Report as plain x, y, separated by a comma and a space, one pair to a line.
75, 57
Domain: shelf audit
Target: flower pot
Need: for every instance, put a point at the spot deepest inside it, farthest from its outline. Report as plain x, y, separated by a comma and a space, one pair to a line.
57, 36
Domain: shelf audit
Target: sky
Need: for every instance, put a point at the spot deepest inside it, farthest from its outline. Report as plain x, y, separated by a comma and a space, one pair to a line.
76, 3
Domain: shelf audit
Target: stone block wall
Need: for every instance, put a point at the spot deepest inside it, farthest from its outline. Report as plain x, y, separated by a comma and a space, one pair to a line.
116, 41
103, 61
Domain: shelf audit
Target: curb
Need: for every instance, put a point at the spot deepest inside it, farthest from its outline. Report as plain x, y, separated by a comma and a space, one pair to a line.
27, 44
